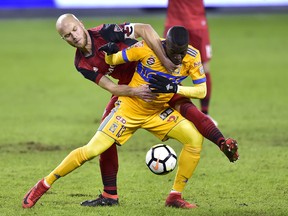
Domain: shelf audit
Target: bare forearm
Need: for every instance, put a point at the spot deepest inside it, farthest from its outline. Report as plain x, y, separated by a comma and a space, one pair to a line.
122, 90
150, 36
142, 92
113, 88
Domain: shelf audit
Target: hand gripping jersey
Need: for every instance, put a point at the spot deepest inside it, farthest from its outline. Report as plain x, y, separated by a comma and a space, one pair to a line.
149, 64
94, 67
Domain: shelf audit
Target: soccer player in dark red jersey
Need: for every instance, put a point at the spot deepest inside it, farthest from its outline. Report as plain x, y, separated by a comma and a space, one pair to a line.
91, 64
192, 15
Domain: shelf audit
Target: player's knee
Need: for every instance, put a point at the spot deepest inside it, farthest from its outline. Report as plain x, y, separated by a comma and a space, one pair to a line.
195, 138
195, 142
193, 149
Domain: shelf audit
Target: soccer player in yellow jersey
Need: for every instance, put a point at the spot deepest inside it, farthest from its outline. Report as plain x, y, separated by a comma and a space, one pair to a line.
155, 116
149, 68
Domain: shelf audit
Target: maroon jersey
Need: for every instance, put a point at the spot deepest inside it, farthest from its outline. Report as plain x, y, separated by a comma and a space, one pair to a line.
188, 13
94, 66
191, 14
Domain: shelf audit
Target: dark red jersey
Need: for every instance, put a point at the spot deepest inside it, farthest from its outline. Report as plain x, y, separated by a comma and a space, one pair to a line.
191, 15
94, 67
188, 13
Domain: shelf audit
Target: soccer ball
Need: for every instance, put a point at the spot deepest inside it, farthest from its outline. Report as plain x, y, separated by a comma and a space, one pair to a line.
161, 159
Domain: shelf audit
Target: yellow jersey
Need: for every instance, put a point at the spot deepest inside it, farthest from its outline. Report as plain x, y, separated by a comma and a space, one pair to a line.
148, 64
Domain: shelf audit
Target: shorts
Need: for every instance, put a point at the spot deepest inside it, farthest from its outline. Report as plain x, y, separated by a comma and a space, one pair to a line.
123, 121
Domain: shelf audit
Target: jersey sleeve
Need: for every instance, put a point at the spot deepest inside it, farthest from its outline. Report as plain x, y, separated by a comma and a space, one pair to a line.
196, 70
90, 75
133, 53
86, 69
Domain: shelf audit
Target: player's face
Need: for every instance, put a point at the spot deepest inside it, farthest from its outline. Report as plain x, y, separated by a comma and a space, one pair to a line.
75, 34
175, 53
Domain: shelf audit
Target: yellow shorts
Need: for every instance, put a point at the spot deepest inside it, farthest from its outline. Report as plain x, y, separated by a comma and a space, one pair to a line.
123, 121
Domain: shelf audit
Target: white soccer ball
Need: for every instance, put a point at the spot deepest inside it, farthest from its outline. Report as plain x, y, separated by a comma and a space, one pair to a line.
161, 159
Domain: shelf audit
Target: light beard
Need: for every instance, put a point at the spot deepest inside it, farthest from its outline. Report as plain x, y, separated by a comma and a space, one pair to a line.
86, 49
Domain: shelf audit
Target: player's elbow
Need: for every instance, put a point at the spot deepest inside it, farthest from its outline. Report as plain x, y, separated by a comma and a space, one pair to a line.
203, 95
142, 29
203, 92
147, 27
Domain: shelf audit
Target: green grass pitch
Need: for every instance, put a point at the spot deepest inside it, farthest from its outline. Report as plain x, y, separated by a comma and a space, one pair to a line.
48, 109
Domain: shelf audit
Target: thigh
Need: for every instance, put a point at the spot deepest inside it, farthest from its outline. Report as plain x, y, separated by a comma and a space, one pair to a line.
119, 125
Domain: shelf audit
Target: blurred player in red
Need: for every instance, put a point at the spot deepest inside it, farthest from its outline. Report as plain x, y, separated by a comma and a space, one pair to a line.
191, 14
90, 62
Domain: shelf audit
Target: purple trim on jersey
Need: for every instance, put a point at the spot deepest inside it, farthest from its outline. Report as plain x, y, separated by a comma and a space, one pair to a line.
192, 52
124, 55
199, 81
146, 73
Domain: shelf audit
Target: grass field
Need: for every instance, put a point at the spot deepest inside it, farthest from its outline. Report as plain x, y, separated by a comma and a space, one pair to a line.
48, 109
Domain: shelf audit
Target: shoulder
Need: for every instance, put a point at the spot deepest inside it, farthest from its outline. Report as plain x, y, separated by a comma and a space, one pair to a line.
95, 32
138, 45
192, 51
192, 58
96, 29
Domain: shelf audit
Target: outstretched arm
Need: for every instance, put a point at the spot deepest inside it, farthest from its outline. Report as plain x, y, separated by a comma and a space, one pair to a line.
104, 82
116, 33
